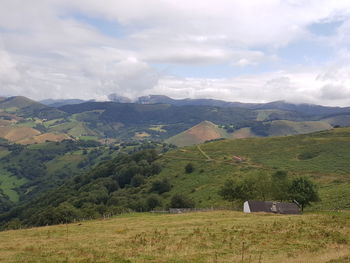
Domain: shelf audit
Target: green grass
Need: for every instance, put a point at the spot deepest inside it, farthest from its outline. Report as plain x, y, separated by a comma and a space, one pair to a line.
8, 183
329, 165
50, 123
221, 236
11, 109
29, 124
3, 152
284, 127
93, 138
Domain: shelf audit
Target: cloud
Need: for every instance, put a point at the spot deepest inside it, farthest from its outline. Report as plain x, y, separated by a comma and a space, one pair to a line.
296, 87
335, 92
48, 50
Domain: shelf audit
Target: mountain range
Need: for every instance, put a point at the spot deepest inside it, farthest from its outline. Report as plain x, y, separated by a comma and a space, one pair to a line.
159, 118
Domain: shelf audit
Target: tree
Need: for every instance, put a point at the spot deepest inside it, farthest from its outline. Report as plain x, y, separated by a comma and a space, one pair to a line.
279, 185
137, 180
161, 186
304, 191
254, 185
153, 201
235, 190
189, 168
181, 201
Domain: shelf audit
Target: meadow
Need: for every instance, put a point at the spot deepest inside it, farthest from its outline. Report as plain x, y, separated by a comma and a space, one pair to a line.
215, 236
322, 156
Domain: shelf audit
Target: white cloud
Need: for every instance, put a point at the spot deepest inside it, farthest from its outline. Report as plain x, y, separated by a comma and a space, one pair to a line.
46, 51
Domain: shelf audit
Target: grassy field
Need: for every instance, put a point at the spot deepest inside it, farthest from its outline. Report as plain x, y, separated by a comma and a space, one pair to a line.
219, 236
283, 127
199, 133
324, 156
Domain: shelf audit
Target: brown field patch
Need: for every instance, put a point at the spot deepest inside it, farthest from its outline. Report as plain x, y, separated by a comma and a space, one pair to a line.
52, 137
15, 134
204, 131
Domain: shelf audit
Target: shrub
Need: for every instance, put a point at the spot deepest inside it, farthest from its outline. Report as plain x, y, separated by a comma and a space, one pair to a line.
189, 168
153, 201
161, 186
181, 201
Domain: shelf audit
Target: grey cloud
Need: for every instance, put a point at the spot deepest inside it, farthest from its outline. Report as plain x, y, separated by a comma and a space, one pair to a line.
335, 92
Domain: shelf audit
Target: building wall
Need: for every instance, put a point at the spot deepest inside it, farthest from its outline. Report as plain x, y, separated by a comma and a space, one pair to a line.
246, 208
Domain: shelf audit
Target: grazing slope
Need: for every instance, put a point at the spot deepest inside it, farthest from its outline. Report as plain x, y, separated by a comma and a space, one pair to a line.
19, 102
52, 137
17, 134
283, 127
187, 238
323, 156
204, 131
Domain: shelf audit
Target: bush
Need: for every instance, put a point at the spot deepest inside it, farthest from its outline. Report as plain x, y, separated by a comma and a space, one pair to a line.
181, 201
161, 186
153, 201
308, 155
189, 168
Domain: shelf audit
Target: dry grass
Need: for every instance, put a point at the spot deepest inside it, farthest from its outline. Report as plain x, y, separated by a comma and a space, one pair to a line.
15, 134
196, 237
199, 133
52, 137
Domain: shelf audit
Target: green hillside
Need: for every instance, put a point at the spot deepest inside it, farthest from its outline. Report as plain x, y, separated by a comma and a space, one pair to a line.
28, 108
206, 130
323, 156
284, 127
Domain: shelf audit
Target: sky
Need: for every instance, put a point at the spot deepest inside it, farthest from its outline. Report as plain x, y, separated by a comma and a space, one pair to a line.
247, 51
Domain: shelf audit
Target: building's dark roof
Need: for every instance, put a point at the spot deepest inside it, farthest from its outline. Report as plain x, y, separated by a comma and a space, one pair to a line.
273, 207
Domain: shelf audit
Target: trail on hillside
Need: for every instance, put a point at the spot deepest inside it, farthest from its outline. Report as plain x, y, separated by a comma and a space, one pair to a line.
204, 154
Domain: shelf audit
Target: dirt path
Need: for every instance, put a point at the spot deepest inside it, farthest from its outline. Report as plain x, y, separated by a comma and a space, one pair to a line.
204, 154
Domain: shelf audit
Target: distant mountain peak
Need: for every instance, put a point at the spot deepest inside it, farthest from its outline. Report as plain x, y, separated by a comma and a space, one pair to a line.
154, 99
117, 98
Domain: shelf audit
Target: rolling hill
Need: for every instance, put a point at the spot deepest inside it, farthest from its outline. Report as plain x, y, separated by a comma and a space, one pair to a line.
17, 134
24, 107
284, 127
204, 131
